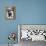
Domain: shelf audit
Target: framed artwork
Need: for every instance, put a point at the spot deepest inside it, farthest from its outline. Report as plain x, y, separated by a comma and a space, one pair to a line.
32, 32
10, 13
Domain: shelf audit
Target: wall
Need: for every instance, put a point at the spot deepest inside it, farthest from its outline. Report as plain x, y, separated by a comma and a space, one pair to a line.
6, 26
31, 11
27, 12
